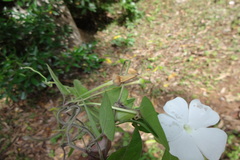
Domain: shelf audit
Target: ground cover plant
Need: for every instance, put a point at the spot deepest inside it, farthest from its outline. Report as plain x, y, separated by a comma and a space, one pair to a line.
185, 48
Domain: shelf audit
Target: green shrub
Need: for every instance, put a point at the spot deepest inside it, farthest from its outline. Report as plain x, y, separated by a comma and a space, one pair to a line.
93, 15
82, 57
34, 39
31, 37
130, 12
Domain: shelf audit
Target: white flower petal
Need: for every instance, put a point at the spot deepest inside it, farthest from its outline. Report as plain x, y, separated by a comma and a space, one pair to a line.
201, 115
171, 127
185, 149
210, 141
178, 109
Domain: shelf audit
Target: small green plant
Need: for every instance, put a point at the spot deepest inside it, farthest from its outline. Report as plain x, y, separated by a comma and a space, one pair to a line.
119, 41
117, 107
130, 12
81, 57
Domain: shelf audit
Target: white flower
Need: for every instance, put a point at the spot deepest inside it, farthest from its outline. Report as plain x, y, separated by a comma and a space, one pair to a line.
231, 2
187, 133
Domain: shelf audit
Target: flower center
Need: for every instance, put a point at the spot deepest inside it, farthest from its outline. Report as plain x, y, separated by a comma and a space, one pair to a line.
187, 128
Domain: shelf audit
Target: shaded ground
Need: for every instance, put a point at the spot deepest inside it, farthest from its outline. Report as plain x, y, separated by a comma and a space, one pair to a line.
190, 50
185, 48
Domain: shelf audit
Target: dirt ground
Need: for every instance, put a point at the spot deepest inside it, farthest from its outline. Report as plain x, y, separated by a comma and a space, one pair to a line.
184, 47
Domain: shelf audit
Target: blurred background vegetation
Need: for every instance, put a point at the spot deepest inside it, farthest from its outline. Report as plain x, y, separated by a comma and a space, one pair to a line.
33, 35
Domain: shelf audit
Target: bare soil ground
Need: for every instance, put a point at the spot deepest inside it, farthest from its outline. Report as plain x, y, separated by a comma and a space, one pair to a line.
185, 48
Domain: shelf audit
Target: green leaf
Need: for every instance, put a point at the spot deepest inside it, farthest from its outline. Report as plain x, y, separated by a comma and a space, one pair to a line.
92, 122
129, 102
115, 93
106, 116
23, 95
150, 116
130, 152
71, 90
55, 138
95, 113
142, 125
123, 116
70, 152
124, 95
60, 86
168, 156
35, 82
79, 88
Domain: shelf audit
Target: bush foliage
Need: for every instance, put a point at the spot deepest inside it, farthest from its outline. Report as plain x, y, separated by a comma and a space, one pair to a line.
31, 37
94, 15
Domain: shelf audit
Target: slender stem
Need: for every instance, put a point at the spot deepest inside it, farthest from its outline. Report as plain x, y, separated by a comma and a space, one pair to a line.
40, 74
120, 95
93, 90
113, 107
125, 110
91, 103
131, 83
79, 99
99, 87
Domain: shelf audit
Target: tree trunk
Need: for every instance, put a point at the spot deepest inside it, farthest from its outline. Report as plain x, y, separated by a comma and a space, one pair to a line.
76, 38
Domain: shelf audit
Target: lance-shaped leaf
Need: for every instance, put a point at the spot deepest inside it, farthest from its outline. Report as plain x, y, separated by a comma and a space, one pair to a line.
142, 125
79, 89
129, 102
168, 156
130, 152
92, 122
115, 93
150, 116
106, 116
60, 86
